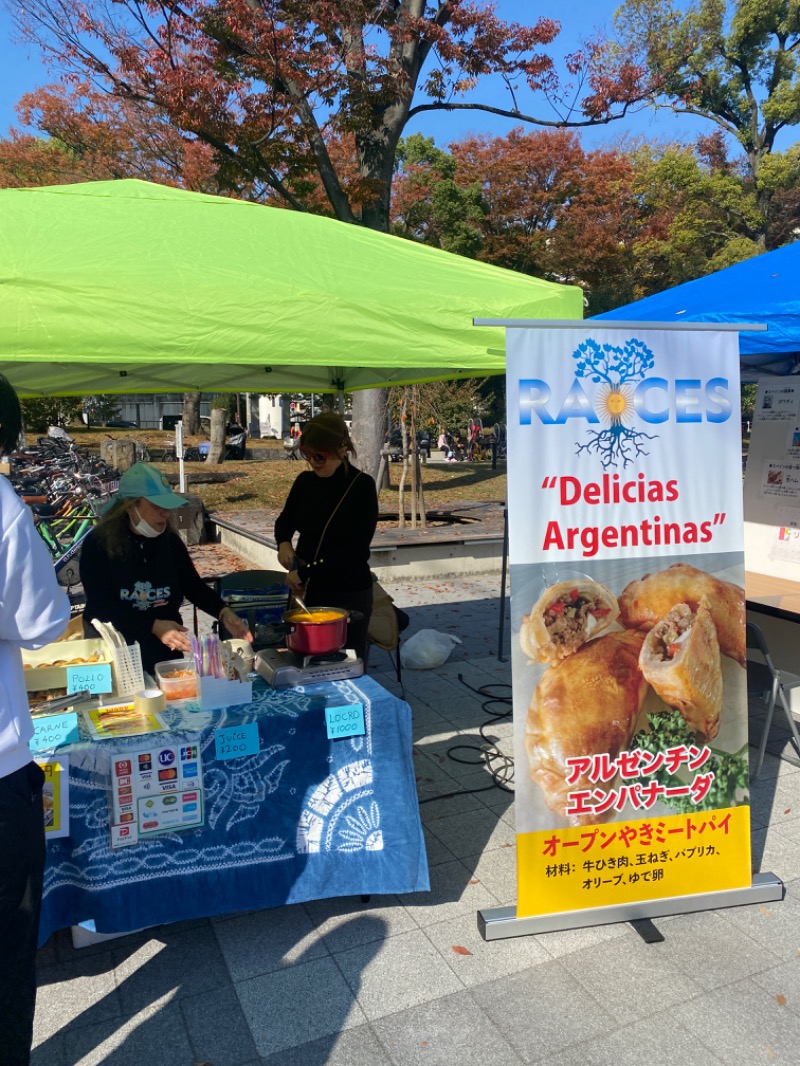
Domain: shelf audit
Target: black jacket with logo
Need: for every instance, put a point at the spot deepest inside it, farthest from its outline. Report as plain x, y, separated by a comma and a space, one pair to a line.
149, 582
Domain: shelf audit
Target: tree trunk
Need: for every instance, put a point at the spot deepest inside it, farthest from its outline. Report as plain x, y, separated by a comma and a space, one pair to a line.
369, 417
417, 491
410, 449
216, 447
191, 412
401, 491
423, 518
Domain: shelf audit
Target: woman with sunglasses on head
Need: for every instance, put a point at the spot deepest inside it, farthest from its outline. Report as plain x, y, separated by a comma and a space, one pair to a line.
333, 508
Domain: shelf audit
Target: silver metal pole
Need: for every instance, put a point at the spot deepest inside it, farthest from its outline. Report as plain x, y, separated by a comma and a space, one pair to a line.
499, 923
595, 324
179, 454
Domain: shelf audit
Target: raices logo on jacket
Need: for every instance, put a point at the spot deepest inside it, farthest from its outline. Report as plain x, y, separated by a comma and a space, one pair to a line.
143, 595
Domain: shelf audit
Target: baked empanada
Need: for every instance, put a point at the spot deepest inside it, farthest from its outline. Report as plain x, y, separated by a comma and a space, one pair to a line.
564, 617
680, 659
645, 602
586, 705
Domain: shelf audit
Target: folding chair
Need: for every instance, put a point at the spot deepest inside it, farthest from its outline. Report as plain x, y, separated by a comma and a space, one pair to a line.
259, 595
763, 677
385, 628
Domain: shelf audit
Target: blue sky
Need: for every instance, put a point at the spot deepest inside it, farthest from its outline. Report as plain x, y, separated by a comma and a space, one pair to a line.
21, 70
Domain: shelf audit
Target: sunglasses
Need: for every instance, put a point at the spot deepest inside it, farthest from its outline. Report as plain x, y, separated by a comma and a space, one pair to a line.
315, 457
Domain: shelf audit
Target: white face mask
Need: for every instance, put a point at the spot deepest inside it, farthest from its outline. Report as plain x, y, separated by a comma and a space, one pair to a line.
142, 527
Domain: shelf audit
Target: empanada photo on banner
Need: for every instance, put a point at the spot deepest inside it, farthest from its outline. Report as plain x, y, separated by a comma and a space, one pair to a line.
564, 617
624, 654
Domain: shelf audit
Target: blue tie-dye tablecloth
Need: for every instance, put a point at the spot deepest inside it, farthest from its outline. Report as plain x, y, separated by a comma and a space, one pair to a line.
305, 818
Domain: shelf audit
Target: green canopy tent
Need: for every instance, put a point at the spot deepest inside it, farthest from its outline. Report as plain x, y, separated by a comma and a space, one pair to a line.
127, 286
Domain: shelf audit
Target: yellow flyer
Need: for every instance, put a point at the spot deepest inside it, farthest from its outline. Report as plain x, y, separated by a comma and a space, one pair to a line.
55, 795
628, 615
122, 720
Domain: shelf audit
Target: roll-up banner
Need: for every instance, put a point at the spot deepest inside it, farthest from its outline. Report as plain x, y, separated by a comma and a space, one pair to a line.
628, 616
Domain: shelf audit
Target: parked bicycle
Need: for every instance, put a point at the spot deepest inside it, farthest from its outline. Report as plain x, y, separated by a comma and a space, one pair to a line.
500, 440
476, 447
66, 489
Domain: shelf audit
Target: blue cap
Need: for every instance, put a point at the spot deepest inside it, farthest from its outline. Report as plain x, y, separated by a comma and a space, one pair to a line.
143, 481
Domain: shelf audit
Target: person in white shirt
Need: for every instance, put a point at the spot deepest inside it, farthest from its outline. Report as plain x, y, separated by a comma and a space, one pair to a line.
33, 611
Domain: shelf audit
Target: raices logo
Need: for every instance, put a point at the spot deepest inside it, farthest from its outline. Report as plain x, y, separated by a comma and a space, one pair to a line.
612, 390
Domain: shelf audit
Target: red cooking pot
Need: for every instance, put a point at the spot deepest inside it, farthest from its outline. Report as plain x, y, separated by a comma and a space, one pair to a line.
318, 631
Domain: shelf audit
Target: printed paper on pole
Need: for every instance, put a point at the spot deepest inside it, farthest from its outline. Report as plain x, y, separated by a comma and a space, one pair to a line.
55, 795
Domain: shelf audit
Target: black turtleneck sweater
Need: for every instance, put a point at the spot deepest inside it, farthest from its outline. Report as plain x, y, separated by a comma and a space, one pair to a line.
342, 563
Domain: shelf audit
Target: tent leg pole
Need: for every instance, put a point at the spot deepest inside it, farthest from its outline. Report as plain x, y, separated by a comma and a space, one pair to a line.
501, 628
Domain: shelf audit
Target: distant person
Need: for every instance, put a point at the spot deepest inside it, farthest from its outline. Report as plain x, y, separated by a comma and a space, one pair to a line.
237, 436
136, 571
34, 610
333, 507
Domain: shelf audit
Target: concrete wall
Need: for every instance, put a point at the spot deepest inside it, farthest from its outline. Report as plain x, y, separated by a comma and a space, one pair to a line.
393, 564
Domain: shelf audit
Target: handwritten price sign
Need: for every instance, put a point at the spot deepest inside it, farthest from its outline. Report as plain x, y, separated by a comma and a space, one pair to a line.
54, 730
96, 678
345, 721
237, 741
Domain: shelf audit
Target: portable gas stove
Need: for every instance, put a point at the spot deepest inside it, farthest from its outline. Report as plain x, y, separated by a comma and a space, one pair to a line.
282, 668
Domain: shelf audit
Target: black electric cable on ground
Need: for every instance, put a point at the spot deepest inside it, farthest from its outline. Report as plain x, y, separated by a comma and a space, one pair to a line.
500, 766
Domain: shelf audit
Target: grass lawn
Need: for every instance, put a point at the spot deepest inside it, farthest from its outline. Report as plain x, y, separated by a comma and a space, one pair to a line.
263, 482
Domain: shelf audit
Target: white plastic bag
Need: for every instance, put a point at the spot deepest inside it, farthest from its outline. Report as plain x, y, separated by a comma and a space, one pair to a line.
427, 649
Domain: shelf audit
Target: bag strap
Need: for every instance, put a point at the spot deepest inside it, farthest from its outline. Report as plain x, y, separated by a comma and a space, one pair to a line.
330, 519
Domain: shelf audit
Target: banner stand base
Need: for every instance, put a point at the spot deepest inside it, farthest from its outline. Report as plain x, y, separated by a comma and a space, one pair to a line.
502, 922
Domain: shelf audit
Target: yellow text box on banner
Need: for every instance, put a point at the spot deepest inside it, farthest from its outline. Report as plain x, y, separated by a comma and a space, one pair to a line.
625, 862
55, 795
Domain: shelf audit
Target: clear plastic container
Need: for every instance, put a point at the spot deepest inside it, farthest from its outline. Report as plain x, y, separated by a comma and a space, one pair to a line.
177, 679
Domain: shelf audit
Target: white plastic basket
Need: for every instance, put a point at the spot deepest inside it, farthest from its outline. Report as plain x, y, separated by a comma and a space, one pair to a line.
128, 673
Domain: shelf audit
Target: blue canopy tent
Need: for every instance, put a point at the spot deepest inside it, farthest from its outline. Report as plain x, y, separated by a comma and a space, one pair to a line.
763, 289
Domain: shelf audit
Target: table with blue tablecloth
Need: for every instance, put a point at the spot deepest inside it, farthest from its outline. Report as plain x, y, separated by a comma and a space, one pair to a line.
304, 818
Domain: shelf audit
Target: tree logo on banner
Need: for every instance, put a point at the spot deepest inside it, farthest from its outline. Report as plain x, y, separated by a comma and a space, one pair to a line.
617, 370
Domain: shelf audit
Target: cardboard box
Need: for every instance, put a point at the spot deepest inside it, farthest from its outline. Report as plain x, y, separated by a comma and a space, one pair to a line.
40, 673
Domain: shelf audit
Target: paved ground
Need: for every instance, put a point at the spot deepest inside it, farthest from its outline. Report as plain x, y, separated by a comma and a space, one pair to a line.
408, 980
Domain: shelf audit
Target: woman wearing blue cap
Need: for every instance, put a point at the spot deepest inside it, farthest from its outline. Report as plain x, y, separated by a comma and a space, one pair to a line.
136, 571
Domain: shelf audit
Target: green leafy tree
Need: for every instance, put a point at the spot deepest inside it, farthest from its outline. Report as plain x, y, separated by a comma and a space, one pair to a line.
779, 194
38, 414
698, 214
445, 405
101, 408
734, 62
429, 205
620, 222
749, 401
